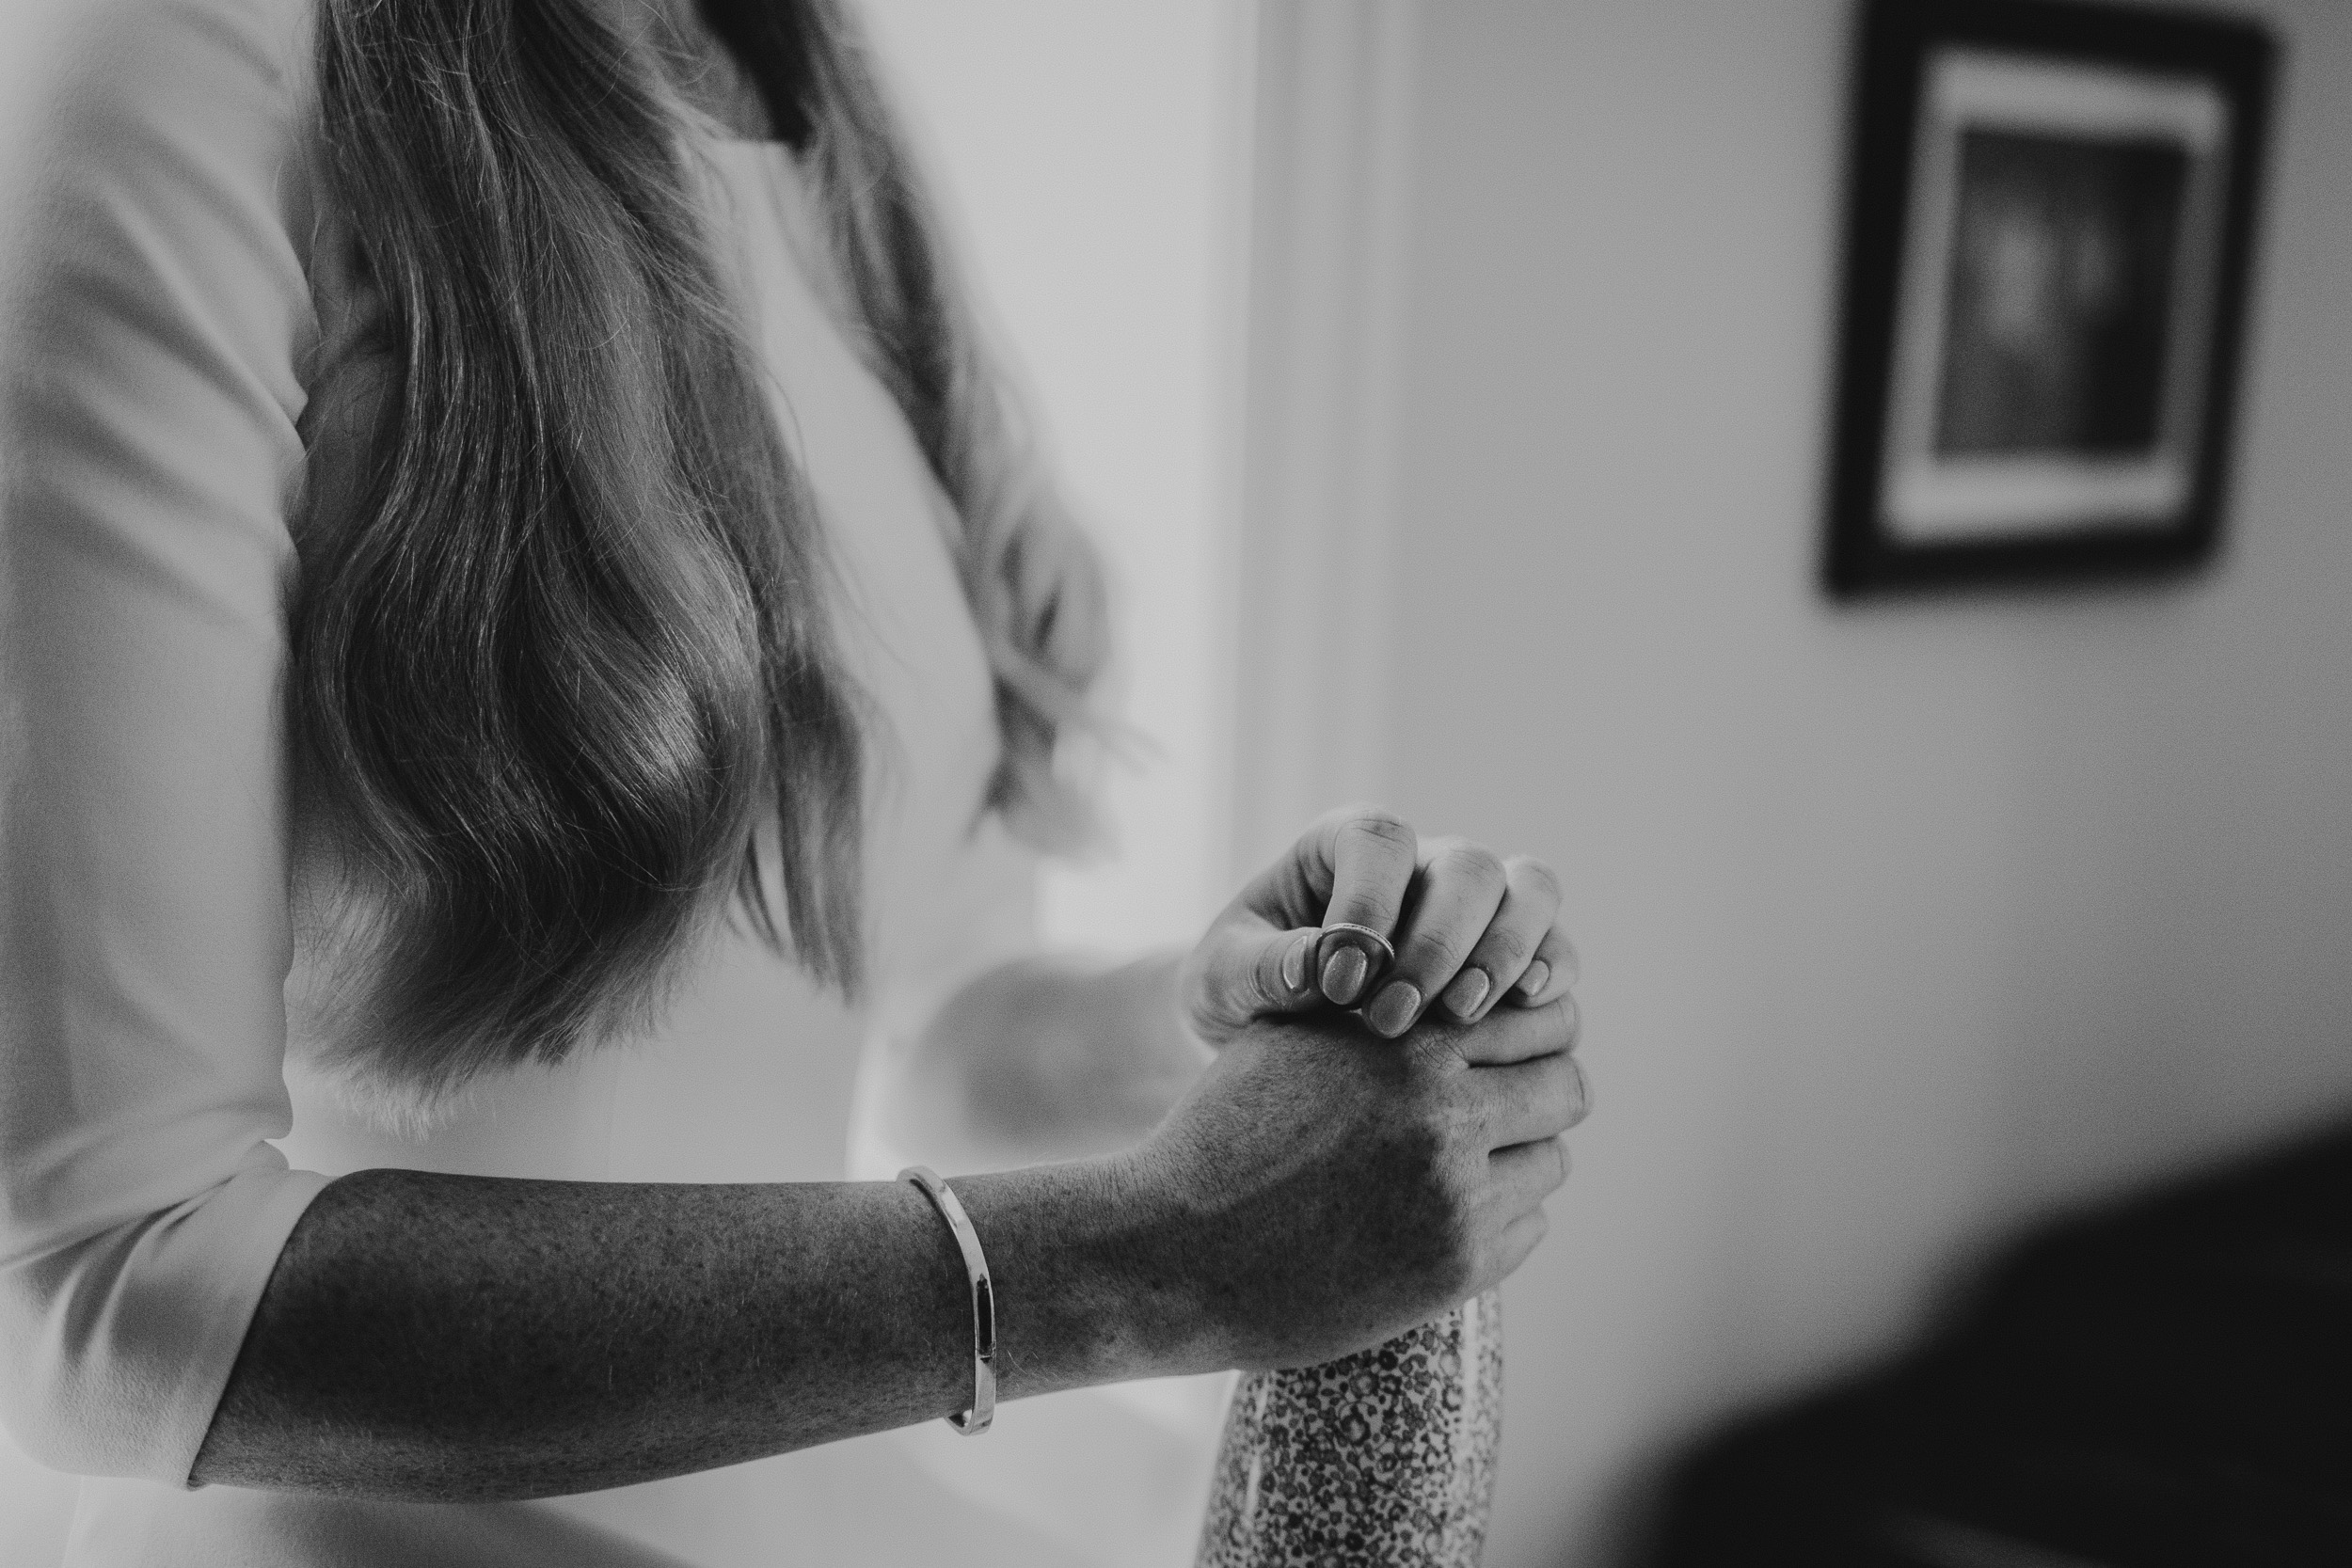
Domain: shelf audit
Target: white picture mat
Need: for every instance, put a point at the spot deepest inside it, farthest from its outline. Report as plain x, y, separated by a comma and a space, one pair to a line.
1935, 498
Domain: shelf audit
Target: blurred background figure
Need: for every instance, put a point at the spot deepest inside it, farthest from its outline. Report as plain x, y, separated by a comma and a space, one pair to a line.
1479, 468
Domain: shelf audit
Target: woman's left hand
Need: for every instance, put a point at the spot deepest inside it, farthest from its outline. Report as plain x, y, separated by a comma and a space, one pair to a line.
1471, 931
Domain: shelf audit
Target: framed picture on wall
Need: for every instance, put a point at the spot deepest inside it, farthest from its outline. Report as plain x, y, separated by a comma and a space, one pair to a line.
2051, 218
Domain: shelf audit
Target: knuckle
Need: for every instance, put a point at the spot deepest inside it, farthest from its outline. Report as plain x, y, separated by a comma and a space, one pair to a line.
1474, 863
1558, 1097
1579, 1091
1331, 821
1539, 877
1229, 964
1443, 1125
1435, 1052
1432, 1112
1555, 1169
1380, 823
1487, 1129
1508, 944
1429, 960
1275, 957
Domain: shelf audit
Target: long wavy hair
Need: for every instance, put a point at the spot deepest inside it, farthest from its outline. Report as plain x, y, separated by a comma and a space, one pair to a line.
563, 689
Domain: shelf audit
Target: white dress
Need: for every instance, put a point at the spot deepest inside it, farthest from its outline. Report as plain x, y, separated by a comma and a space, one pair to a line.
157, 1139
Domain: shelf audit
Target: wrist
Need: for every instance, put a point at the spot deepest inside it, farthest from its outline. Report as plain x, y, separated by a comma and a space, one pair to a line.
1090, 1277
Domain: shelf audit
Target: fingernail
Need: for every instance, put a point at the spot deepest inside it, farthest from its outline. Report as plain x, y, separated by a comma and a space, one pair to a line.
1468, 991
1538, 976
1343, 975
1391, 1011
1294, 963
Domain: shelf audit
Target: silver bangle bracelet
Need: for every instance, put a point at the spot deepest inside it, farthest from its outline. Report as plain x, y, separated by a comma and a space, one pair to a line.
973, 1421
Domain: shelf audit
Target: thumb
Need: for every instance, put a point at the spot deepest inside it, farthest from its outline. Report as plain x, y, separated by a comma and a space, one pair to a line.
1253, 971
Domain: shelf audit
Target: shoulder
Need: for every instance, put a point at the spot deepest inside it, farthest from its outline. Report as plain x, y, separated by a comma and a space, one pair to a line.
141, 56
155, 309
155, 197
104, 78
142, 122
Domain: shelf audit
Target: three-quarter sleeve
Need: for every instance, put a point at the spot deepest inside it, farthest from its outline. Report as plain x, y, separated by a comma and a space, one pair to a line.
155, 312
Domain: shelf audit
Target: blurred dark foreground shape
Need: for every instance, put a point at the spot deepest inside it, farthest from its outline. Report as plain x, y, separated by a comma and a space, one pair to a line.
2163, 1383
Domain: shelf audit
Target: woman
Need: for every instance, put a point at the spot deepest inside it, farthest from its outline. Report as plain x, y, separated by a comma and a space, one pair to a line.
520, 582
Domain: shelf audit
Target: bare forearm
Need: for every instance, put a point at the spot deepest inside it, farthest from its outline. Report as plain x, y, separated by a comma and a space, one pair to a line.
454, 1338
1315, 1190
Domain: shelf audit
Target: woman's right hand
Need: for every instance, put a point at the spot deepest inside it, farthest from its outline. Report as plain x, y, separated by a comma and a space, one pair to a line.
1327, 1189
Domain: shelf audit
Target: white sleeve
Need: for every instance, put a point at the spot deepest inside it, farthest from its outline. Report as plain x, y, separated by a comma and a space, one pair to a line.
156, 310
978, 910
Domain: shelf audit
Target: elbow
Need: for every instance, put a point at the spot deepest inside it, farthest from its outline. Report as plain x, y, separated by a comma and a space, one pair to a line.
115, 1343
51, 1419
102, 1376
57, 1397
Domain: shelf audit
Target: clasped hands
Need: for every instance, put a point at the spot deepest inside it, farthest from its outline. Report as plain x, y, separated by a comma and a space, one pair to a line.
1334, 1182
1471, 931
1361, 1145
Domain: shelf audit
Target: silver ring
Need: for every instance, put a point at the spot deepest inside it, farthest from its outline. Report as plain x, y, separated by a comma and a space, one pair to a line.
1361, 931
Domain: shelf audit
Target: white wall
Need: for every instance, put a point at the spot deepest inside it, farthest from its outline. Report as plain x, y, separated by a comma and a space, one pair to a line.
1900, 923
1086, 152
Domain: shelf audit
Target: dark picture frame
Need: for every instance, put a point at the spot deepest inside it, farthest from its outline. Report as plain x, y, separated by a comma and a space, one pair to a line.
2049, 234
